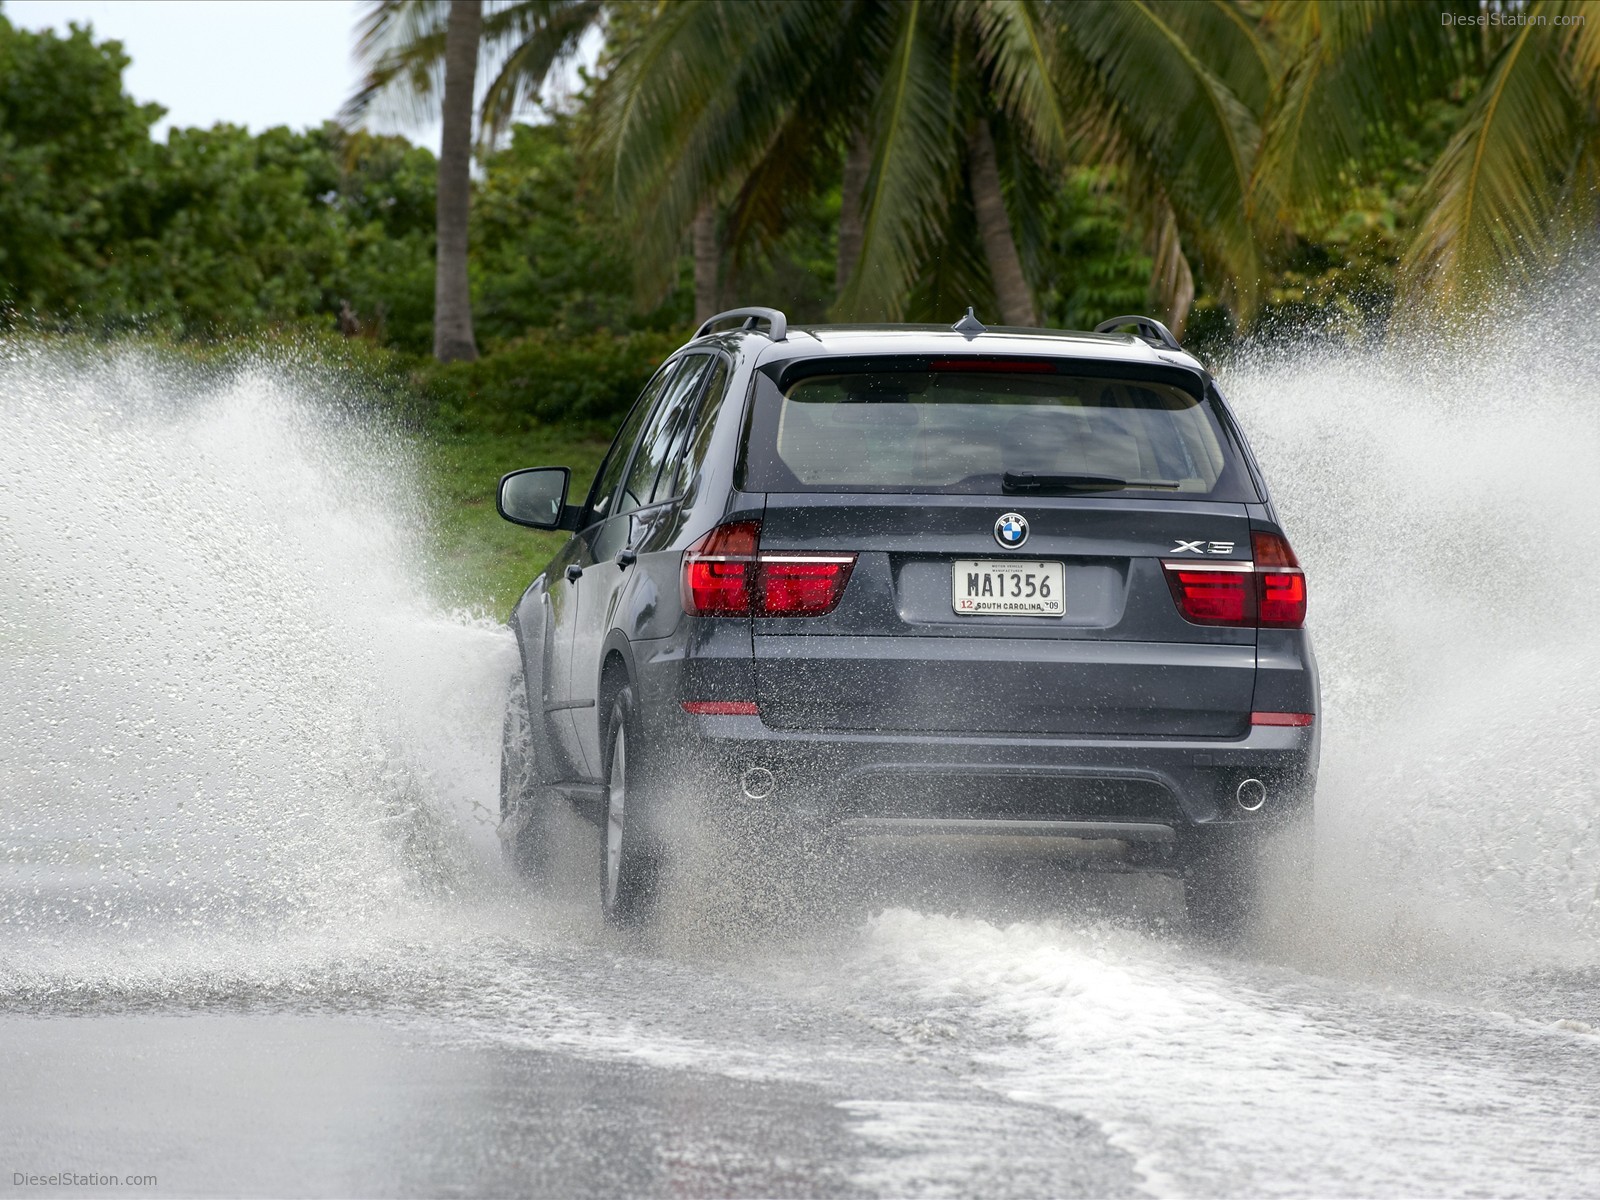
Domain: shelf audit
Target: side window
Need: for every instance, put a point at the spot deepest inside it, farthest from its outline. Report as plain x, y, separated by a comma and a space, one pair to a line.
602, 499
662, 433
670, 483
699, 437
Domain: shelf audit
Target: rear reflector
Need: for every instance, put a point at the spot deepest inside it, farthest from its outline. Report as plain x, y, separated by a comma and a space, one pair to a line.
722, 708
726, 574
1268, 592
1274, 718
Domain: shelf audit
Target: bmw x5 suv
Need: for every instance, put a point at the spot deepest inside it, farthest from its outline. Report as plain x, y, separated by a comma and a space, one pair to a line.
908, 582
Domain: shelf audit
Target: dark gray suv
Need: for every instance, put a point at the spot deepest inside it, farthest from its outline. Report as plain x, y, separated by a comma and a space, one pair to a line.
909, 582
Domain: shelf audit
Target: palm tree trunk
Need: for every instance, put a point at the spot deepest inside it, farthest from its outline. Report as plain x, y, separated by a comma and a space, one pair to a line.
1171, 280
452, 298
994, 228
707, 262
852, 226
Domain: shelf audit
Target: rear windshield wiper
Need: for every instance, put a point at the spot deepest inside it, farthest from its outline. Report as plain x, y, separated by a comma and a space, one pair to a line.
1026, 481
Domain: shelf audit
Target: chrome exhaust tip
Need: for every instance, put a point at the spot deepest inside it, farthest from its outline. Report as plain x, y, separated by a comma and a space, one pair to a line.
1251, 795
758, 783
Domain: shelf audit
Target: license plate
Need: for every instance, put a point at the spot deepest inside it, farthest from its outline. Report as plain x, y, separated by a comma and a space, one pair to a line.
1004, 587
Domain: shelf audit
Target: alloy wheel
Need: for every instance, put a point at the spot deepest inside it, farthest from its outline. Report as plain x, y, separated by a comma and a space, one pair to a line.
616, 812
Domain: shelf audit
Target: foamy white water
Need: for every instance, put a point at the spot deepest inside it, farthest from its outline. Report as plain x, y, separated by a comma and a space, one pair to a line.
1441, 498
227, 699
249, 761
1222, 1078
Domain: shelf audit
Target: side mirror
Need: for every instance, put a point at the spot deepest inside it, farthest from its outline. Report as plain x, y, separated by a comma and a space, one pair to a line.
535, 496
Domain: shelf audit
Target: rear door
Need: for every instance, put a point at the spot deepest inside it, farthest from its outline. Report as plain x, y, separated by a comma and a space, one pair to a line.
610, 554
576, 582
1003, 584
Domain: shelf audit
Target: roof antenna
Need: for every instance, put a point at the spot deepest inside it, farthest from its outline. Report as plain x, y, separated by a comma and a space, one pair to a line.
969, 326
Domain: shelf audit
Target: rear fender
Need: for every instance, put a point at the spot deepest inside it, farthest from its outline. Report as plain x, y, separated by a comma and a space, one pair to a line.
617, 669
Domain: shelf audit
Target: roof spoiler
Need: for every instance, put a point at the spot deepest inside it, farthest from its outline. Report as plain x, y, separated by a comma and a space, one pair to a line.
1145, 328
777, 324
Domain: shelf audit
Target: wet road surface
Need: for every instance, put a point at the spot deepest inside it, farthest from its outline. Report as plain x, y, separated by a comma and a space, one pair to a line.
513, 1047
270, 1104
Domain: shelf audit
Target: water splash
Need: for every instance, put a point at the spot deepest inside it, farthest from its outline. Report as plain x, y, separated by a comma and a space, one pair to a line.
1440, 496
238, 731
228, 704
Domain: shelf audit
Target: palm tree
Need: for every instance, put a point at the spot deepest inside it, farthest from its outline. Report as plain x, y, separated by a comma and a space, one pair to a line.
1516, 181
452, 293
427, 51
938, 109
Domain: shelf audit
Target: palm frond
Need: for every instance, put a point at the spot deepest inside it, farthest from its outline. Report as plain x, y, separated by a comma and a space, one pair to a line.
695, 104
1582, 47
805, 157
400, 46
955, 272
1496, 200
1030, 188
1353, 70
530, 39
918, 138
1171, 280
782, 187
1017, 45
1222, 36
1165, 115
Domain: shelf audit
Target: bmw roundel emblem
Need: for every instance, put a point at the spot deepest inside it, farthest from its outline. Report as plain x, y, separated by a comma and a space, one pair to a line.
1011, 530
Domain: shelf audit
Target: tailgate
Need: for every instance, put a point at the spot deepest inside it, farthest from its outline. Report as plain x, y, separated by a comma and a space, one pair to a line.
1113, 658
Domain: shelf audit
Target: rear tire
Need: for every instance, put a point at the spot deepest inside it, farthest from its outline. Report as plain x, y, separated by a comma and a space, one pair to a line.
629, 865
1236, 882
526, 814
1222, 887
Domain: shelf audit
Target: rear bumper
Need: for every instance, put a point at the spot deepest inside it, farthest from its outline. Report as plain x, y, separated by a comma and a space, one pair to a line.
899, 783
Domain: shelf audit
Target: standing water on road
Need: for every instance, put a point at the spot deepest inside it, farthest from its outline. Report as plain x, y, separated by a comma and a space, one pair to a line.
248, 764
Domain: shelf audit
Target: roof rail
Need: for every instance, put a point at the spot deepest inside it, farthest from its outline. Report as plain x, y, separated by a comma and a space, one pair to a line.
777, 323
1150, 330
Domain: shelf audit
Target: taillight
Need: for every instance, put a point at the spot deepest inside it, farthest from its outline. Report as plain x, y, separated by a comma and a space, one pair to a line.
1268, 592
1280, 583
726, 574
1214, 593
719, 570
796, 585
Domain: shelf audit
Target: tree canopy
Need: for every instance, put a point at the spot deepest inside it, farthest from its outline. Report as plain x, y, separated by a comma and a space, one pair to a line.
1307, 161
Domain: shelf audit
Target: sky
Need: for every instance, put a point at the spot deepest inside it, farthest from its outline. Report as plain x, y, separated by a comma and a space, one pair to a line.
257, 63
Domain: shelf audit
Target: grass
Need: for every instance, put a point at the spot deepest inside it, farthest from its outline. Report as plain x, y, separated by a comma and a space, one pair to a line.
480, 562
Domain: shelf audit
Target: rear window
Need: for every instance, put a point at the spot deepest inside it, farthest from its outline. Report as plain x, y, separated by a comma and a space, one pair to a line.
961, 431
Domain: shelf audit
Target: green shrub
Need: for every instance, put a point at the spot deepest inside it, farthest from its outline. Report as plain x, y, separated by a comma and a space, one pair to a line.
547, 379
